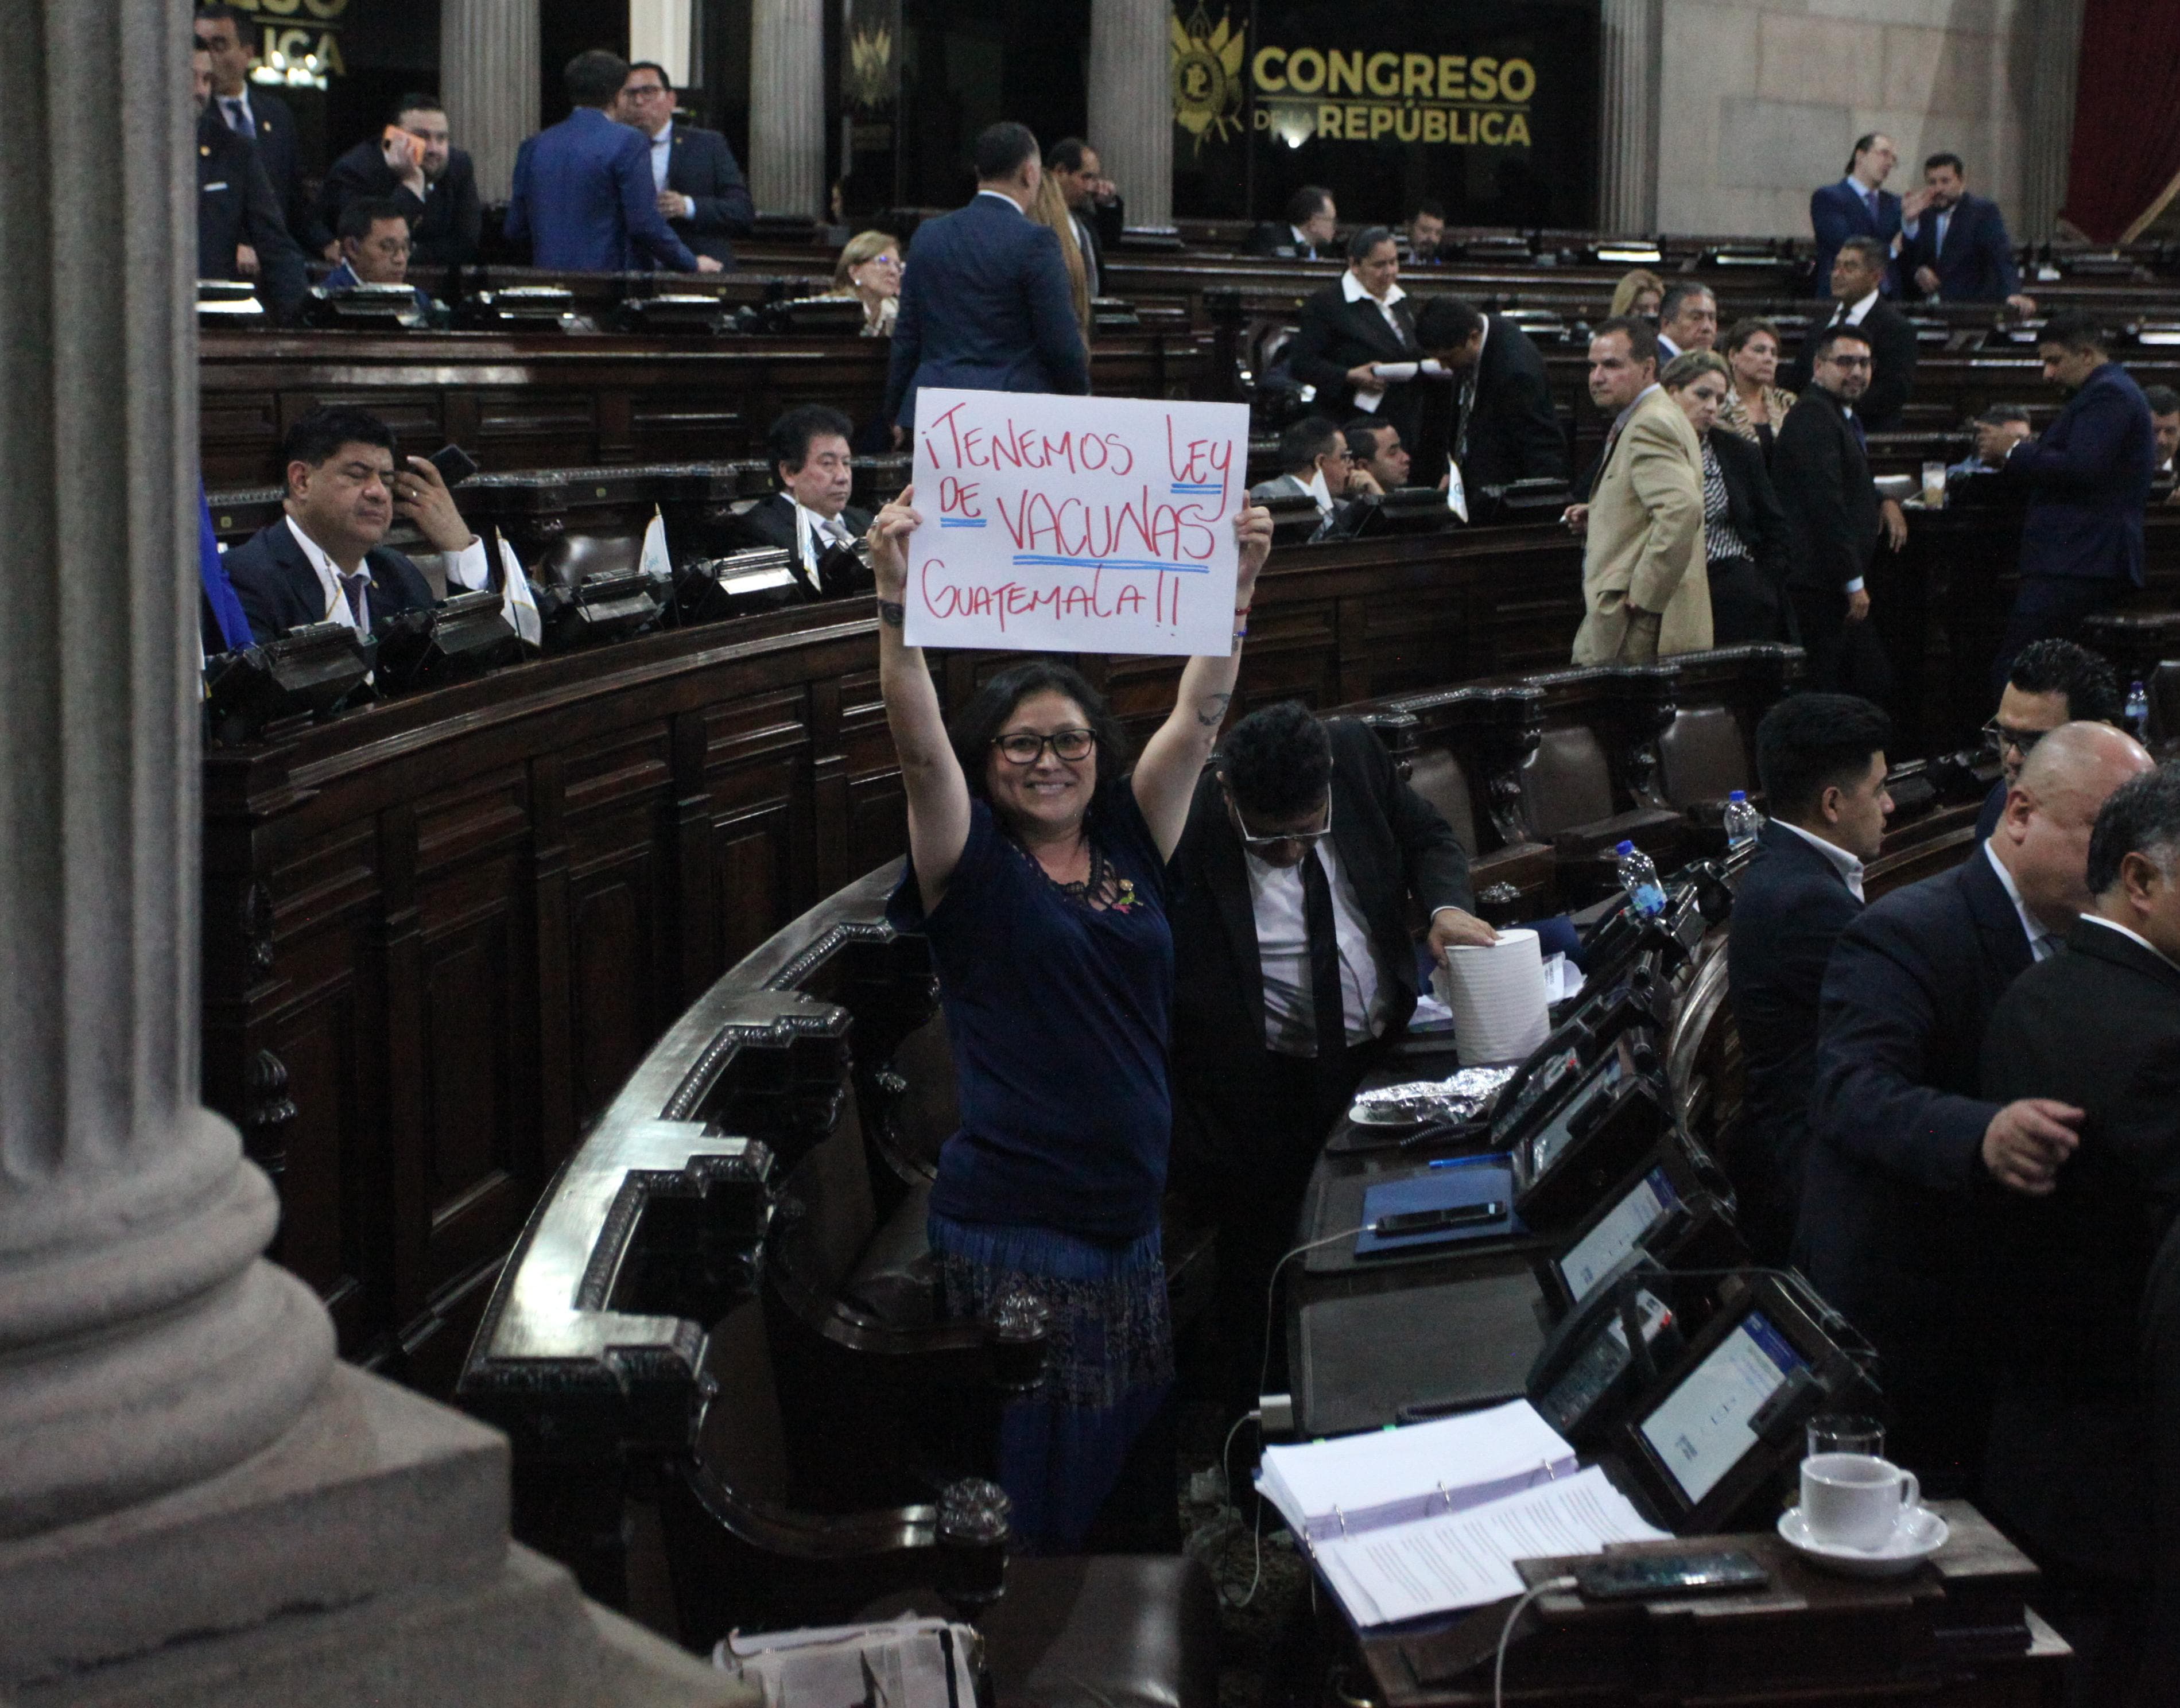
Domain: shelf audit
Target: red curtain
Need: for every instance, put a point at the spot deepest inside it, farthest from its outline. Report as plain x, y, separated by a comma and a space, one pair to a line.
2125, 165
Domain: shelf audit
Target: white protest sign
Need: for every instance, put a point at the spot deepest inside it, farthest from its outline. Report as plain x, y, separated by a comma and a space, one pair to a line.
1075, 524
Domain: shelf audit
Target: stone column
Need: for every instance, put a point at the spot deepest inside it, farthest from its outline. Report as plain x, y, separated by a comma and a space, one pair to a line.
1627, 139
488, 77
2048, 35
1131, 104
787, 107
145, 1343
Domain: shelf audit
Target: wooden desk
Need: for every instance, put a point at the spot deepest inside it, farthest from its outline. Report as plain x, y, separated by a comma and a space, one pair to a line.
1959, 1631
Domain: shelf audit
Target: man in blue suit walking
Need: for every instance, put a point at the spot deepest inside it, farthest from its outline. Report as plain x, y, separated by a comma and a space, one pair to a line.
583, 190
2089, 478
1953, 246
1857, 206
984, 302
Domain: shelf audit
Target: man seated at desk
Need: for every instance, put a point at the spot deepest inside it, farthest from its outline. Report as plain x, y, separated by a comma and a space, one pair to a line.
1292, 887
1315, 462
810, 516
374, 245
324, 561
2052, 682
1998, 429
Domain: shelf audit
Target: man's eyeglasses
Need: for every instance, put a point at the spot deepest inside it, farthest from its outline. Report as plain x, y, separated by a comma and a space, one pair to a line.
1023, 748
1848, 360
1255, 844
2000, 738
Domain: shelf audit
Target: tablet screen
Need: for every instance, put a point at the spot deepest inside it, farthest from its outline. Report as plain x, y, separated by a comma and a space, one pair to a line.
1702, 1429
1613, 1238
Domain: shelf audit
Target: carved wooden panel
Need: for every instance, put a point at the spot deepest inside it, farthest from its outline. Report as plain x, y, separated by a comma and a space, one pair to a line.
326, 1192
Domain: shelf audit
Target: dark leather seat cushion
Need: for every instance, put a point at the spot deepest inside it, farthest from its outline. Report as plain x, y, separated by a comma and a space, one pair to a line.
896, 1278
1579, 841
1095, 1631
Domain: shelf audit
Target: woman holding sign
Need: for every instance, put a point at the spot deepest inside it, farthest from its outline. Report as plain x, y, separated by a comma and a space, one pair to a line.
1037, 869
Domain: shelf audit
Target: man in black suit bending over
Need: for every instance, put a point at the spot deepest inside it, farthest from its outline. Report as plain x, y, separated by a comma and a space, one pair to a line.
702, 192
1292, 886
1505, 427
810, 516
2095, 1028
324, 562
2052, 682
1903, 1146
1859, 272
1821, 758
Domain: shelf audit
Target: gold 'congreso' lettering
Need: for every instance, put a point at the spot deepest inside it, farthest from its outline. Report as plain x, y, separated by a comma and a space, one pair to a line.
1454, 99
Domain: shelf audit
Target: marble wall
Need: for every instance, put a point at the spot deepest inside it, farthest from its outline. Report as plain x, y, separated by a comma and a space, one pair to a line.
1760, 101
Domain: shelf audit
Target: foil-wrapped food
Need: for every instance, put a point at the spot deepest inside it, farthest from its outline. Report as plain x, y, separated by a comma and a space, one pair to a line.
1465, 1096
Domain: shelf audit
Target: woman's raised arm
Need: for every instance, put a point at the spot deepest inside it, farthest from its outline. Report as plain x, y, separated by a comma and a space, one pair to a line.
1174, 758
938, 794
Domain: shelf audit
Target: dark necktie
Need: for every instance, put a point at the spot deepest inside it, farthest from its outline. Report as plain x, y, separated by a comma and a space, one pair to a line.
1326, 1001
1871, 196
354, 586
237, 120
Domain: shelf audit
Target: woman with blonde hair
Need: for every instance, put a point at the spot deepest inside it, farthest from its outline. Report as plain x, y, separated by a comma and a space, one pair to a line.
1639, 293
869, 270
1050, 208
1755, 408
1744, 527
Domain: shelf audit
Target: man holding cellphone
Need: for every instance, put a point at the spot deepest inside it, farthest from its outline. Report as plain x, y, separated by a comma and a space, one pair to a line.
414, 162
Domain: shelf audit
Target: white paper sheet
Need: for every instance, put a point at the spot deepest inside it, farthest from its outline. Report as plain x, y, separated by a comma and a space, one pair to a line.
1076, 524
1466, 1559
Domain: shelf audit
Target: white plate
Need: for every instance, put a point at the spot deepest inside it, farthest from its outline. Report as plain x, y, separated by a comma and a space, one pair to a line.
1919, 1534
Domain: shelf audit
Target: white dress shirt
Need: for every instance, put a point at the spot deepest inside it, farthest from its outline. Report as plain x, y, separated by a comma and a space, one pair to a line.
661, 160
1275, 897
1854, 312
818, 535
2043, 943
228, 103
467, 571
1315, 487
2129, 931
1850, 867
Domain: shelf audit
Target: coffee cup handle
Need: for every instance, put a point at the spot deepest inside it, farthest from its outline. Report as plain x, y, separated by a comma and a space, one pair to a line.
1911, 1490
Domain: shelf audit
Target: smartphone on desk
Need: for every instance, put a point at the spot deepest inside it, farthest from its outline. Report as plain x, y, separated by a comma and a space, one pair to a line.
1443, 1217
1643, 1577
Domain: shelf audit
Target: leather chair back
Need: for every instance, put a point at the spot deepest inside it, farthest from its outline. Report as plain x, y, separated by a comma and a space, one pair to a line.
743, 1441
1436, 775
1703, 756
574, 558
1567, 781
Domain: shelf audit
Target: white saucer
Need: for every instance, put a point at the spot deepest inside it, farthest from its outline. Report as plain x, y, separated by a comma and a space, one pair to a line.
1919, 1534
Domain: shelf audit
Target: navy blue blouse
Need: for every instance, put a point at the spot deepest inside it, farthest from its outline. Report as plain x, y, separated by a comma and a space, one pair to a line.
1059, 1016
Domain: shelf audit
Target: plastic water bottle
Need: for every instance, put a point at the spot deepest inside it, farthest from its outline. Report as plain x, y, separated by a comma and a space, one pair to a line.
1742, 821
1639, 878
2138, 713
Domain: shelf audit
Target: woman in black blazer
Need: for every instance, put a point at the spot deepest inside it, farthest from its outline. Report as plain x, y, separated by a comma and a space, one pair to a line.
1363, 322
1744, 528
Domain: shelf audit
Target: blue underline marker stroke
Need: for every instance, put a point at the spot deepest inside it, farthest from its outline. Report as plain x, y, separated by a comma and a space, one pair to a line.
1042, 559
959, 522
1214, 487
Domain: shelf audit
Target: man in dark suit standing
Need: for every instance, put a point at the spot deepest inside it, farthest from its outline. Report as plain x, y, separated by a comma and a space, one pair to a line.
263, 118
1903, 1147
1074, 165
2088, 476
1821, 758
1307, 232
985, 302
240, 231
1293, 966
584, 193
1858, 270
1357, 343
702, 192
2052, 682
325, 560
1857, 206
1505, 426
810, 516
1953, 246
1822, 477
434, 181
2095, 1030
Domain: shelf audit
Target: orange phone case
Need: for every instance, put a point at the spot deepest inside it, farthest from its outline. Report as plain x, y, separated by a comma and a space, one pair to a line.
411, 147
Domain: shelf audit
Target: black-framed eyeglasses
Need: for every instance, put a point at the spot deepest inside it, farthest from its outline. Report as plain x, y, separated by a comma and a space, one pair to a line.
1254, 843
2000, 738
1022, 747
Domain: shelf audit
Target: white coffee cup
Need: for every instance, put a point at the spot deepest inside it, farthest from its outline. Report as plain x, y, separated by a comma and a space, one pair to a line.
1855, 1500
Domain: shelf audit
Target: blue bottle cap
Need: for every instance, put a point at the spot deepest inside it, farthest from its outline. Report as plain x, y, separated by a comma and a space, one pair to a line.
1625, 848
1738, 795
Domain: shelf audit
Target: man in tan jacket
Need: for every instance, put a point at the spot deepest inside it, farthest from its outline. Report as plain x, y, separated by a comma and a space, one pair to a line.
1643, 575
